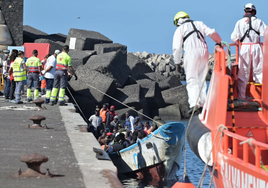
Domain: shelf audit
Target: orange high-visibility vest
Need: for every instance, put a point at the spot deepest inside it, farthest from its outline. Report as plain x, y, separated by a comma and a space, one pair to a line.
103, 115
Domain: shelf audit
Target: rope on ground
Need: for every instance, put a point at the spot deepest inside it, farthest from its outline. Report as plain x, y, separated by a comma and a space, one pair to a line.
220, 129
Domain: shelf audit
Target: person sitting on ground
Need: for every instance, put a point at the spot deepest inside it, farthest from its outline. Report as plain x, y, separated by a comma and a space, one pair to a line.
95, 121
158, 122
138, 122
148, 128
115, 131
121, 127
102, 137
112, 113
129, 137
138, 134
125, 143
114, 123
105, 115
107, 143
128, 126
116, 146
130, 119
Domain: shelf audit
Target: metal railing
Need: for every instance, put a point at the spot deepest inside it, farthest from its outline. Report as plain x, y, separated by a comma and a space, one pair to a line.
256, 145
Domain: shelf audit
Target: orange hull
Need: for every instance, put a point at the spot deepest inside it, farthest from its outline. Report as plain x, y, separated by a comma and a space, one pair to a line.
240, 161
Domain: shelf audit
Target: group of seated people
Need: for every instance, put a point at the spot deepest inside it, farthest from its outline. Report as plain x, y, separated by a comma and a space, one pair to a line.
114, 136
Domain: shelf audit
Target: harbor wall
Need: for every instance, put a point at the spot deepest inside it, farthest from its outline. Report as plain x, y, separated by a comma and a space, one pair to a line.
96, 173
13, 14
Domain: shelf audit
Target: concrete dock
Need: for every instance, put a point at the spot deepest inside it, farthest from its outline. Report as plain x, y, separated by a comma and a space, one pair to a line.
70, 151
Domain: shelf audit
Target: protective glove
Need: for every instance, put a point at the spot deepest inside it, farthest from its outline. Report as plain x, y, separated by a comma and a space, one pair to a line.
217, 45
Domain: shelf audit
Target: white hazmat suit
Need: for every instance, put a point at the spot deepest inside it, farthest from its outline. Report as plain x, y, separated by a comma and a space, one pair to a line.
250, 52
196, 56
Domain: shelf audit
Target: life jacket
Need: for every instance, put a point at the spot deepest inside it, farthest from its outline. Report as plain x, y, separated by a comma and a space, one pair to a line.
18, 73
199, 34
249, 16
103, 115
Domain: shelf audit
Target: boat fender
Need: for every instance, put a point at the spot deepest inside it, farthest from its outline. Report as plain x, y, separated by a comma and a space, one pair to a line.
184, 182
199, 139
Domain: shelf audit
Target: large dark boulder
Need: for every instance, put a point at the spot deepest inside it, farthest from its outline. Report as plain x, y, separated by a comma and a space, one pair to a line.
177, 95
170, 82
57, 37
93, 85
171, 112
112, 64
155, 76
53, 45
129, 95
150, 90
30, 34
86, 104
109, 47
85, 40
80, 57
137, 65
122, 112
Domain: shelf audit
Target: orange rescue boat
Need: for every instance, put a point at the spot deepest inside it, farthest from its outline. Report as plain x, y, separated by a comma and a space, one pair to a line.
231, 136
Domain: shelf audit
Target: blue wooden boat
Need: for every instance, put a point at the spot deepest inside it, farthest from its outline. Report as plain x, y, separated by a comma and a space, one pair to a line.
157, 156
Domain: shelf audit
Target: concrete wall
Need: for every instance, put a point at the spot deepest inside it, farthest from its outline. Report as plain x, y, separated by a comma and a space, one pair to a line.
13, 13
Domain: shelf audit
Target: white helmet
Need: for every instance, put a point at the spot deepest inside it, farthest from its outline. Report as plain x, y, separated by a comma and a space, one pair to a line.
249, 6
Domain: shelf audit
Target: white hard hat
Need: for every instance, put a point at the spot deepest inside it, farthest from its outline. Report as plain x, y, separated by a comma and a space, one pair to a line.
57, 52
249, 6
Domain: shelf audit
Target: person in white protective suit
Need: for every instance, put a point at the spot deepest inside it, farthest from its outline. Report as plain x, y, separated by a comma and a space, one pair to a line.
248, 31
190, 37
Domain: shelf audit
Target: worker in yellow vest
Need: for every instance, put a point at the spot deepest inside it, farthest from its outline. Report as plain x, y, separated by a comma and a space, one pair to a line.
61, 76
34, 68
19, 72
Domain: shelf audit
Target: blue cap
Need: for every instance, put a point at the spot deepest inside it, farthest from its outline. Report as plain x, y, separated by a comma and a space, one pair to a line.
138, 128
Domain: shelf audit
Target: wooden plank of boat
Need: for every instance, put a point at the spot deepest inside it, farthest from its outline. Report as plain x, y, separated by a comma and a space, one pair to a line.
163, 147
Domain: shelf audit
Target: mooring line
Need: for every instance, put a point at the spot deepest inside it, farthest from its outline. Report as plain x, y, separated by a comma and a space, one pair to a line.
113, 99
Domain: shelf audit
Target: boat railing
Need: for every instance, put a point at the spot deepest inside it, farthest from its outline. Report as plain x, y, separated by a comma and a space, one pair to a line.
220, 61
256, 146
